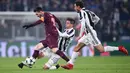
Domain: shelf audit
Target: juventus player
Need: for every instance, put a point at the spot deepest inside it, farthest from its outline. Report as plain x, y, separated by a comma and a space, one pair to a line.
67, 36
88, 20
65, 40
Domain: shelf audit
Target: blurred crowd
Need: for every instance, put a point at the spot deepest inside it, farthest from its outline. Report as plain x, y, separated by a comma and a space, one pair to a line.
29, 5
114, 14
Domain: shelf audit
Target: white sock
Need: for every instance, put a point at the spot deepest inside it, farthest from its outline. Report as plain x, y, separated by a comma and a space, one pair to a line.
52, 67
73, 57
110, 48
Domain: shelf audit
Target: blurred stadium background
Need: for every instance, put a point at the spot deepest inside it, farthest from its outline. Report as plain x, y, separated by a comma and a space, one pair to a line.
113, 28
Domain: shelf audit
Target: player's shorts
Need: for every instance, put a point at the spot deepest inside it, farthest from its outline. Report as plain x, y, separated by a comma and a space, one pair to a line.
50, 41
90, 39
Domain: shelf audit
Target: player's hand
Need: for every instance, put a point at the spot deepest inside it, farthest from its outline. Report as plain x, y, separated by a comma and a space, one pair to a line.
26, 26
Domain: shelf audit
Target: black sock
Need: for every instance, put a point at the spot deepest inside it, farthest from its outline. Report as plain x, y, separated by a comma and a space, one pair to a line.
35, 54
62, 55
57, 66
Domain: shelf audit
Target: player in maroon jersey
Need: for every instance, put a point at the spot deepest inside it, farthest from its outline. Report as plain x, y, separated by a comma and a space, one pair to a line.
51, 40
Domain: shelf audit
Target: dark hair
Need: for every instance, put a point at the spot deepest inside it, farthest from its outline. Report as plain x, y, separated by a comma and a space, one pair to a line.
79, 3
38, 9
72, 21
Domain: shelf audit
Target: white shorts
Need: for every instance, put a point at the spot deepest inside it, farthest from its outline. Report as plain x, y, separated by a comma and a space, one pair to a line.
90, 39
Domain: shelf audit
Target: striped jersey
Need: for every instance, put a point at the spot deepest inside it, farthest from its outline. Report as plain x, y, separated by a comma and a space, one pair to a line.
88, 21
65, 39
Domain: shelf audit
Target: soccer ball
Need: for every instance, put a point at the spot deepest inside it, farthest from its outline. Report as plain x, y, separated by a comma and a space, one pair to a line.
30, 61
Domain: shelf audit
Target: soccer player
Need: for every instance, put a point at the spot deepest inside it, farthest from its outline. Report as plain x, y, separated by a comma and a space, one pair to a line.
64, 41
63, 44
51, 40
67, 36
88, 35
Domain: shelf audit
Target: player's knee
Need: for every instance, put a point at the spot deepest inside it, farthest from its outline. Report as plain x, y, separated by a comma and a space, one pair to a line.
101, 50
38, 46
54, 50
76, 49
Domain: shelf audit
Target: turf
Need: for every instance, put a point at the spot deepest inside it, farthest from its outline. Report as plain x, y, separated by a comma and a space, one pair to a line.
116, 64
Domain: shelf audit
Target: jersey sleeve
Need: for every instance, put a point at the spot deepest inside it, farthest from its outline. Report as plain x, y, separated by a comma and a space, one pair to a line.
65, 34
58, 22
95, 18
36, 23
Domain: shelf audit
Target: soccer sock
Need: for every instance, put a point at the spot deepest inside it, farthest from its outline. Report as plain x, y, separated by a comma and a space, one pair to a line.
35, 54
53, 67
110, 48
73, 57
62, 55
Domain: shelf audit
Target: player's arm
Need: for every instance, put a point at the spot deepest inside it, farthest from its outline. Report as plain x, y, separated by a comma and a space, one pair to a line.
66, 35
58, 22
35, 23
95, 18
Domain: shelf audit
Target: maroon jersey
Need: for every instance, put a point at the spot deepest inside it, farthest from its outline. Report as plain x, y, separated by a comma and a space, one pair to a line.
50, 29
50, 24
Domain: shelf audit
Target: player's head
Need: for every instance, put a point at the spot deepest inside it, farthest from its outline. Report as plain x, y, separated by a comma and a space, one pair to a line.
78, 5
70, 22
38, 11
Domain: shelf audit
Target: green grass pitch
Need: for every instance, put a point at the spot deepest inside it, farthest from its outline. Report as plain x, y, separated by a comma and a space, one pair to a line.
115, 64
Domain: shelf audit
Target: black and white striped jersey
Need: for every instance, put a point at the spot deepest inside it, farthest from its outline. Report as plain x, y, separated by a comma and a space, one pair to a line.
65, 39
88, 21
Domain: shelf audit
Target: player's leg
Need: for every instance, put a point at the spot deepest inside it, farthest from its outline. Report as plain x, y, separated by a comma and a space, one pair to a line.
99, 46
41, 55
35, 55
54, 67
75, 53
53, 60
53, 44
111, 48
36, 50
46, 52
81, 43
60, 53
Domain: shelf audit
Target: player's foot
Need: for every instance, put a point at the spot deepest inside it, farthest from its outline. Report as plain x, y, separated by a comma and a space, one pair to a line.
68, 66
123, 50
20, 65
57, 66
